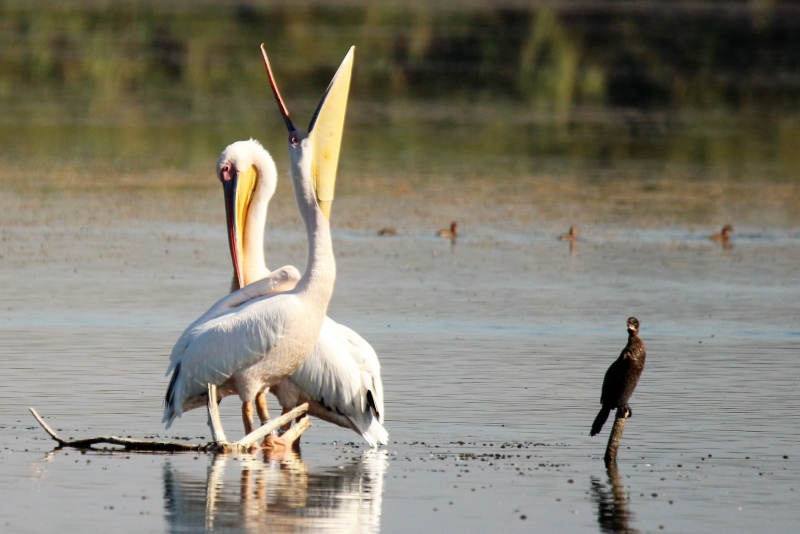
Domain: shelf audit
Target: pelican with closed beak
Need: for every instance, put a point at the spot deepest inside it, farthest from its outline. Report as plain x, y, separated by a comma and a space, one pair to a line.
341, 379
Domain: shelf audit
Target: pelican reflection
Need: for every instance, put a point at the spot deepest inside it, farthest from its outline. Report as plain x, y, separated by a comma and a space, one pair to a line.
612, 503
276, 493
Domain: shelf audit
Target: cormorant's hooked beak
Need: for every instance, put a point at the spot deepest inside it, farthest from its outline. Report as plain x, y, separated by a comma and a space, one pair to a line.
238, 187
325, 130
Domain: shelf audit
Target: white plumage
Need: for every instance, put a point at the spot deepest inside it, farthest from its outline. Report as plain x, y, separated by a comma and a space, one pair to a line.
341, 378
250, 340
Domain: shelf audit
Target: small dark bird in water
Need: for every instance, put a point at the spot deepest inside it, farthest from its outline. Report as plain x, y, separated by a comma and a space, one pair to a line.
387, 231
571, 235
451, 233
622, 377
724, 234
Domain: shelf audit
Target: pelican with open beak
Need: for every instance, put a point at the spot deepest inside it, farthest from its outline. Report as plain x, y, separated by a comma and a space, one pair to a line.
341, 379
254, 338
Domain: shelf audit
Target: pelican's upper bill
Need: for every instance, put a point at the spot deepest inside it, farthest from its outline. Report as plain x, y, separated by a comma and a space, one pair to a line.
325, 130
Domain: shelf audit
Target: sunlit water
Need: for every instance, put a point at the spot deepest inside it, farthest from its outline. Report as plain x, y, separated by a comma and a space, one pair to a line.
493, 351
647, 131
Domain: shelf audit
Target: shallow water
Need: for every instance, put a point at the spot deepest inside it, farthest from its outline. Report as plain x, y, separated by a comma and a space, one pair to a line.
648, 131
493, 351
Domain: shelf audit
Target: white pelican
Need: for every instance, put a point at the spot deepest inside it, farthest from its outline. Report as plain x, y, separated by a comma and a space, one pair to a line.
254, 338
341, 379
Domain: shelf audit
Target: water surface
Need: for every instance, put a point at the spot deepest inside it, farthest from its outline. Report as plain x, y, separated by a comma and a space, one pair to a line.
493, 351
649, 130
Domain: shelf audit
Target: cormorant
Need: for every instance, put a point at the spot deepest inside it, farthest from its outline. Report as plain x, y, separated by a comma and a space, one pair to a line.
622, 377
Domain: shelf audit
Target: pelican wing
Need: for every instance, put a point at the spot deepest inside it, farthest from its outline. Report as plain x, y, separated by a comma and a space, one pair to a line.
283, 279
343, 374
210, 352
366, 359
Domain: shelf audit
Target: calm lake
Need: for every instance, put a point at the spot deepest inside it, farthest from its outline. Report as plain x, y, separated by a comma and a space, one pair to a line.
493, 347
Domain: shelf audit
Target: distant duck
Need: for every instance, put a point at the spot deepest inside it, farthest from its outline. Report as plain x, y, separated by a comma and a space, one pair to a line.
452, 233
572, 235
621, 378
387, 231
724, 235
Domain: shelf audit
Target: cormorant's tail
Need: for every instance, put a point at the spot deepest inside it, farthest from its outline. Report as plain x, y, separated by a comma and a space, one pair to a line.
600, 420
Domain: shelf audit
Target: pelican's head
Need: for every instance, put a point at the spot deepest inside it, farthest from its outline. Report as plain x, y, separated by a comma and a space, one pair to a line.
248, 177
324, 137
633, 325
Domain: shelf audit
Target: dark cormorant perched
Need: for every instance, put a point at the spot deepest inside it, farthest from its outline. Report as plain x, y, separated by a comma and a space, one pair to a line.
622, 377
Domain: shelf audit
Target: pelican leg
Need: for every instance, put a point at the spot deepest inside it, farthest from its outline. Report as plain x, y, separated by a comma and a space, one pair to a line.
261, 407
247, 417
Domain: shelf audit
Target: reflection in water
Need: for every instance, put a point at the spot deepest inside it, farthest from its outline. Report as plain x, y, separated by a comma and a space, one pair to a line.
38, 469
276, 495
612, 503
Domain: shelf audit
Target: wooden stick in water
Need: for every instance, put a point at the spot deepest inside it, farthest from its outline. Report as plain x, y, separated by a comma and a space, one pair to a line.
129, 443
220, 442
293, 434
247, 441
616, 437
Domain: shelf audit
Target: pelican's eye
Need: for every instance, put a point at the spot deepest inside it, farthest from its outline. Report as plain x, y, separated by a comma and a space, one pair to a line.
294, 141
226, 172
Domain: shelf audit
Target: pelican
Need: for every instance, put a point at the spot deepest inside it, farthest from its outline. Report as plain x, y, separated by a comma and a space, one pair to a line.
341, 379
254, 338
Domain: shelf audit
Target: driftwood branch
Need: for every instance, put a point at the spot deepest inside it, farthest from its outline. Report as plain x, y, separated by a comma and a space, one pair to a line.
220, 442
273, 424
616, 437
244, 444
293, 434
128, 443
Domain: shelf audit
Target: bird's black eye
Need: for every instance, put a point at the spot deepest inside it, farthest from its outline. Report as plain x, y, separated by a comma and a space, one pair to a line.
294, 141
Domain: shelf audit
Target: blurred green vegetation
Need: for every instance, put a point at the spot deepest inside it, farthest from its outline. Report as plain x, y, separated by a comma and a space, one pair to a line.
711, 90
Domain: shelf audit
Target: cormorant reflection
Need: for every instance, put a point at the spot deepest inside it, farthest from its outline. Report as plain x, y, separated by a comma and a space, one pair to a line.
251, 494
612, 503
